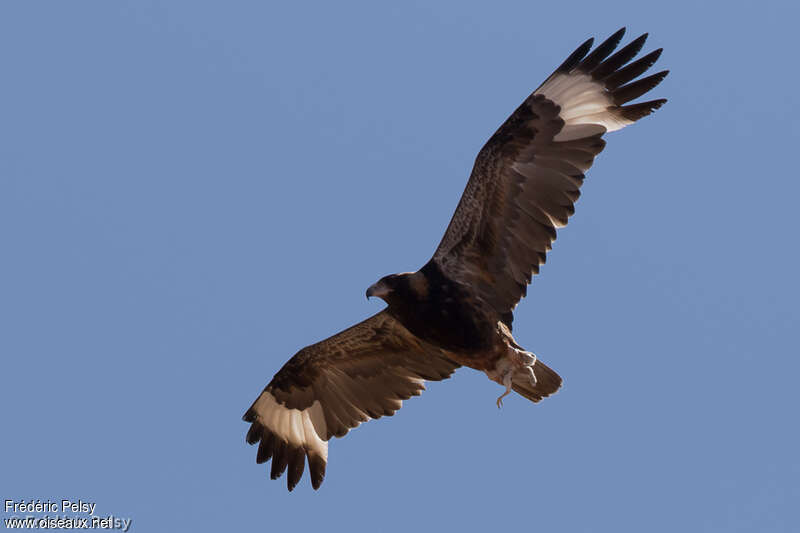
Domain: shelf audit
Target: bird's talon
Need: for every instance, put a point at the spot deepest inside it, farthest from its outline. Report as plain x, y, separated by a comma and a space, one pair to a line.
532, 376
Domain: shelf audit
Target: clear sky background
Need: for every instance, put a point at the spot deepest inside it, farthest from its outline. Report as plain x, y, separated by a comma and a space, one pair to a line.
191, 191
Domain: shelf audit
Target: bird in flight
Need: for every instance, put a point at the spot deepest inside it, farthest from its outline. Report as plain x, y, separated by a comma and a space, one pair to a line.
457, 309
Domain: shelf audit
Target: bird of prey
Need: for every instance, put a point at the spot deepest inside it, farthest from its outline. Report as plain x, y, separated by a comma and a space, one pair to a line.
457, 309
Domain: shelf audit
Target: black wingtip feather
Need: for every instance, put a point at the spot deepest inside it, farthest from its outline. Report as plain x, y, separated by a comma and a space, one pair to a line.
626, 74
280, 458
620, 57
316, 466
601, 52
576, 56
634, 90
636, 111
285, 457
297, 462
254, 433
265, 448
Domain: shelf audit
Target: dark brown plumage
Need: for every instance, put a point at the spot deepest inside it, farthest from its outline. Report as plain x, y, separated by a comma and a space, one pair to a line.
457, 310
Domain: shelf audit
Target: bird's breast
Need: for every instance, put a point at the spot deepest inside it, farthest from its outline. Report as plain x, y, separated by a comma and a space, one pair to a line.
447, 317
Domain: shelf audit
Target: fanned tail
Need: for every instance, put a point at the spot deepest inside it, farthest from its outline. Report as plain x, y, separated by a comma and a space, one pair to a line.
547, 382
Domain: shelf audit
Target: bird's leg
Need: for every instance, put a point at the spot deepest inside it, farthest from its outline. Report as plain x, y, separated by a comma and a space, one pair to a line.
507, 377
530, 361
524, 360
515, 360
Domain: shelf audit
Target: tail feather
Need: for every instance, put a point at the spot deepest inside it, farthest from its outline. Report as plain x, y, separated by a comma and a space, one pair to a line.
547, 382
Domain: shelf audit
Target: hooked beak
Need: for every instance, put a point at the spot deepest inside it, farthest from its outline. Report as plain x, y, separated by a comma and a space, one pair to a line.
378, 289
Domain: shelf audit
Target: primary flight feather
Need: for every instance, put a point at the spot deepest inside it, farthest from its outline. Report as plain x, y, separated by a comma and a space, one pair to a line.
457, 309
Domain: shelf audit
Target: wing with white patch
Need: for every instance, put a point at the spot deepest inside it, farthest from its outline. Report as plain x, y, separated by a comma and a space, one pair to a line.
328, 388
527, 177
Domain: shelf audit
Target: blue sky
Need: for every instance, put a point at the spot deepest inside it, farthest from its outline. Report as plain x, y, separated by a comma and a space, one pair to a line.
192, 191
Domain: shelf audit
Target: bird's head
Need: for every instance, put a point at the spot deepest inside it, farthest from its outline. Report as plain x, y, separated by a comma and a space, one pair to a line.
399, 288
386, 287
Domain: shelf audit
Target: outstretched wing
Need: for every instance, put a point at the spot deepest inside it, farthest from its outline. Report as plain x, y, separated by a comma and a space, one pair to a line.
527, 177
330, 387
